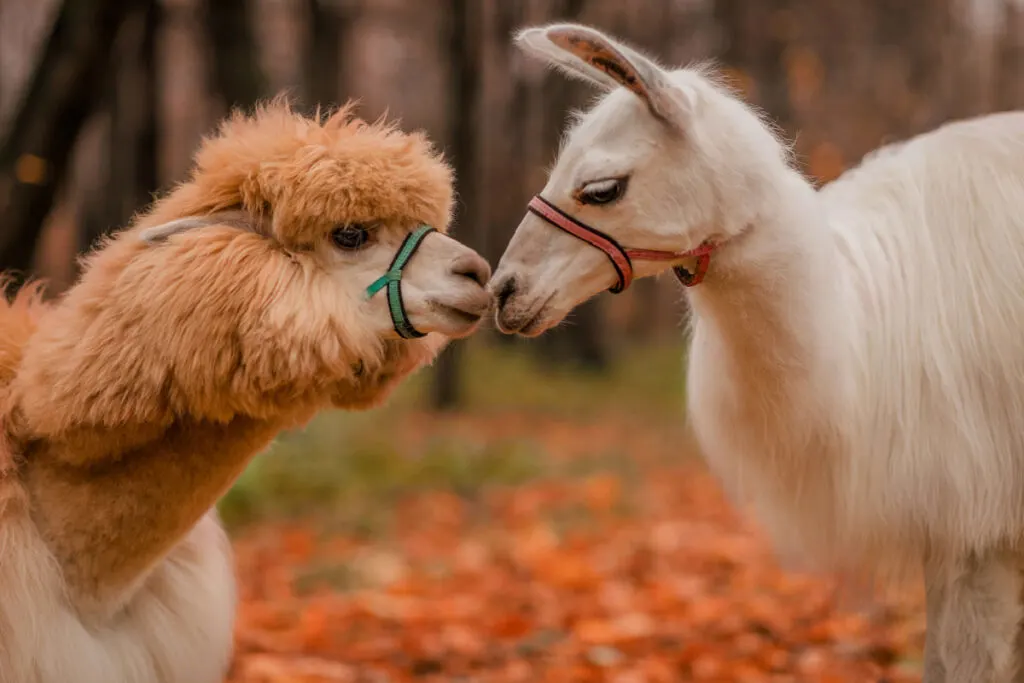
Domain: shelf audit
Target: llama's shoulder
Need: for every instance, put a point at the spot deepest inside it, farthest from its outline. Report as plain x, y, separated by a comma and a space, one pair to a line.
974, 148
958, 188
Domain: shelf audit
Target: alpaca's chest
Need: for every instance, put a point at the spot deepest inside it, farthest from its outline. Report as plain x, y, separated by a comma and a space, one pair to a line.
176, 628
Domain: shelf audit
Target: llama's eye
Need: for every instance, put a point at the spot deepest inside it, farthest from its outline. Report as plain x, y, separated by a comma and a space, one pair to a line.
350, 237
602, 191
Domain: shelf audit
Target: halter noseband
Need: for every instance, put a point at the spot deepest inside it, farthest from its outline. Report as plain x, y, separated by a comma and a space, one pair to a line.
620, 257
392, 279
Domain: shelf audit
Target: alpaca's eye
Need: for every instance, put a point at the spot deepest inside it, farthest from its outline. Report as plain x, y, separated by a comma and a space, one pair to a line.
350, 237
602, 191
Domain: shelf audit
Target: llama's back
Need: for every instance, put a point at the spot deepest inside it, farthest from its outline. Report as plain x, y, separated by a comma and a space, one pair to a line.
933, 232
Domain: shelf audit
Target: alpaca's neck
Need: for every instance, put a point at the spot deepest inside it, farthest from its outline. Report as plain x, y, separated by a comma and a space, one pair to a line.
108, 524
768, 320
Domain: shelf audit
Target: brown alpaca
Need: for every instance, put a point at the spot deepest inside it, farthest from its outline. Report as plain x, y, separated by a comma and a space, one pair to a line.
235, 307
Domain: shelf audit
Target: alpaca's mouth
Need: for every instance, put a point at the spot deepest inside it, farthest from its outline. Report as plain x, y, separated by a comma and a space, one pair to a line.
455, 321
463, 317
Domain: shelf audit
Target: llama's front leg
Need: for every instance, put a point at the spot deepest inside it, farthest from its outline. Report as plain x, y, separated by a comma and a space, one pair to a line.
1018, 676
935, 591
980, 619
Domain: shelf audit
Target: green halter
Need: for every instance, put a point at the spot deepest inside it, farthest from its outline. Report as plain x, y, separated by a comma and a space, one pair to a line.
393, 281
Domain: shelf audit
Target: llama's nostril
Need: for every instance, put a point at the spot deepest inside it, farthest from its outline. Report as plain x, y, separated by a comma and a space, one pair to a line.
473, 267
508, 288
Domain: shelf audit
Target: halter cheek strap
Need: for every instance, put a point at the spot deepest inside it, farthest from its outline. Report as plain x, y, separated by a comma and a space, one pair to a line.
392, 280
620, 257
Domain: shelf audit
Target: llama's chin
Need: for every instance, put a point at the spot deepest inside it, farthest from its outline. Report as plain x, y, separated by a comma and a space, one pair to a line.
534, 326
531, 320
539, 324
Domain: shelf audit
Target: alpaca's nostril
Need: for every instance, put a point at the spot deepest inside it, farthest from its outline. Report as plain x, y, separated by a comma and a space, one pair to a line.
508, 288
473, 267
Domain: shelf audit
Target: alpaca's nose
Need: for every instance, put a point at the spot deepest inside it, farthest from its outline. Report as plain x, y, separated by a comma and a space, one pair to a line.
473, 266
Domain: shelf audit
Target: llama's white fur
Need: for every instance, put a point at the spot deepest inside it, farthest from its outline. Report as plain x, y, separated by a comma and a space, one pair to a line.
857, 364
873, 406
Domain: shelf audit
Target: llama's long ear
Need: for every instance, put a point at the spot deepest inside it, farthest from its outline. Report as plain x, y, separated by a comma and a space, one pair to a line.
534, 41
600, 57
160, 233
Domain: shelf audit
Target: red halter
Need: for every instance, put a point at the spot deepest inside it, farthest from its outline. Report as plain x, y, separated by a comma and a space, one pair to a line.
620, 257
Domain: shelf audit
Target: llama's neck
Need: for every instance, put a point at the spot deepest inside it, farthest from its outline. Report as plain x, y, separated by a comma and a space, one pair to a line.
769, 321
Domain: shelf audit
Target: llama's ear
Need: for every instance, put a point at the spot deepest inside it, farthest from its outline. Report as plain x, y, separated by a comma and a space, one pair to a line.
623, 66
160, 233
535, 42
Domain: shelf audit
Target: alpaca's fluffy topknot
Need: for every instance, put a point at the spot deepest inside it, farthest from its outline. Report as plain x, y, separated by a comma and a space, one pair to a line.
312, 173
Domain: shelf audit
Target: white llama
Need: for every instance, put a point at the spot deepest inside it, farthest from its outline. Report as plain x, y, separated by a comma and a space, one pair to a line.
857, 364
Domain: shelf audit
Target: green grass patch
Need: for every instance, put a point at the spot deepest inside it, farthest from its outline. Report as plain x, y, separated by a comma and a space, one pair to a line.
355, 481
646, 380
351, 468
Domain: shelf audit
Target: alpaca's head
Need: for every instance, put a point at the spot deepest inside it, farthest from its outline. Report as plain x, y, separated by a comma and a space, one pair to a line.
665, 160
256, 268
339, 196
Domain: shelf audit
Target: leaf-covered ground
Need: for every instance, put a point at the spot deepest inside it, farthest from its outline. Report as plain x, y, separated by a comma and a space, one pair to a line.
529, 545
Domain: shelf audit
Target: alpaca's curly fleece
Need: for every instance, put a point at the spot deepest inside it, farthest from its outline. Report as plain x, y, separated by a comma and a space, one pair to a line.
132, 402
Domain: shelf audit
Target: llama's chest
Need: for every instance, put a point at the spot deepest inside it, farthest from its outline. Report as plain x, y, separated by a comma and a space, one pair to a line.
176, 628
914, 449
761, 435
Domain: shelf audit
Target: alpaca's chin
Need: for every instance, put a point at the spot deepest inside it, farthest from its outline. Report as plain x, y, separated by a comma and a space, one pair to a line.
364, 398
367, 390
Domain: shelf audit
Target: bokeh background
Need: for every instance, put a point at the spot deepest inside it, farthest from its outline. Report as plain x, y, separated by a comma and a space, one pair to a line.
523, 510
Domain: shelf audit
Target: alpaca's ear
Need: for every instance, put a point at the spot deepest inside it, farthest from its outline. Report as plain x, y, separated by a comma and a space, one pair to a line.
160, 233
602, 58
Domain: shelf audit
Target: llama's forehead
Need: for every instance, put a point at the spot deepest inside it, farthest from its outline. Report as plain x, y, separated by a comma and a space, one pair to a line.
609, 139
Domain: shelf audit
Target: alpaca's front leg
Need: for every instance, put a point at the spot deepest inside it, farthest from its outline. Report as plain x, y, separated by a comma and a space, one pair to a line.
980, 620
935, 591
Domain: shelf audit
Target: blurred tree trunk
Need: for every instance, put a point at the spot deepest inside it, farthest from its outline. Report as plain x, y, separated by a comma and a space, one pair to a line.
235, 69
507, 158
131, 175
329, 21
464, 58
931, 40
755, 43
1009, 86
63, 92
582, 341
508, 205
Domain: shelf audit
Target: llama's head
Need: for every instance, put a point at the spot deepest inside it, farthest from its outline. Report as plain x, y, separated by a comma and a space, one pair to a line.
271, 245
665, 160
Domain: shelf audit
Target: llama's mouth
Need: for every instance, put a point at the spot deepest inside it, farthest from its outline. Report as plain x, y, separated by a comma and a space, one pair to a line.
537, 325
524, 323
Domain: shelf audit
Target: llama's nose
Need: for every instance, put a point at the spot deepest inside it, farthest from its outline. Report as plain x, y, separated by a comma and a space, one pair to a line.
473, 266
505, 291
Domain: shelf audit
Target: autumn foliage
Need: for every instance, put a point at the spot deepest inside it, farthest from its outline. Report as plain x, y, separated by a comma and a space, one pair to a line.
642, 574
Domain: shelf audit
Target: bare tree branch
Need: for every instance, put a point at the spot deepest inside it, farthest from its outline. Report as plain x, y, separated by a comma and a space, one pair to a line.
62, 94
